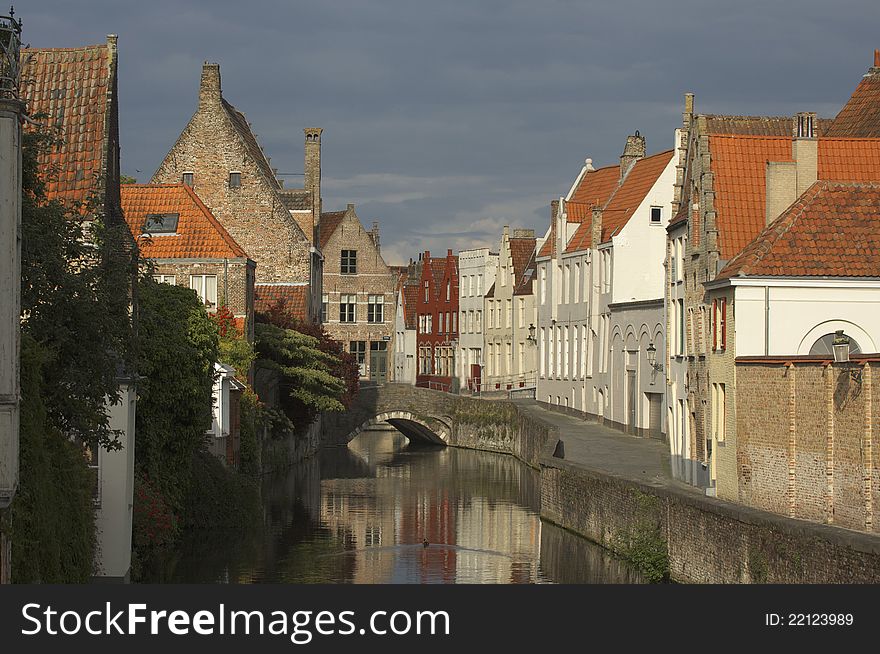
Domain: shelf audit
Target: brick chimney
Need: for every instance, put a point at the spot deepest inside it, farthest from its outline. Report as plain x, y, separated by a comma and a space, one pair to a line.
312, 169
876, 67
374, 234
209, 87
787, 180
632, 152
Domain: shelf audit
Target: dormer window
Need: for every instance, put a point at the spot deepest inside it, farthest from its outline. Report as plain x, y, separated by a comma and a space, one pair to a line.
234, 180
187, 179
161, 223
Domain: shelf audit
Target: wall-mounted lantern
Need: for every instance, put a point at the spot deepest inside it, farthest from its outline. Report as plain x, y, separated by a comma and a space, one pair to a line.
531, 337
840, 346
652, 358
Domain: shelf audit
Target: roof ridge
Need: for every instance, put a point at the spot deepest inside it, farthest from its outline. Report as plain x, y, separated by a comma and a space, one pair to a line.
76, 49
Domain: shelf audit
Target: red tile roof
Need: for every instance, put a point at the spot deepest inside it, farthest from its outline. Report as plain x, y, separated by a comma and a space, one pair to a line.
627, 198
410, 305
199, 235
833, 230
594, 190
739, 167
293, 297
73, 87
860, 116
329, 222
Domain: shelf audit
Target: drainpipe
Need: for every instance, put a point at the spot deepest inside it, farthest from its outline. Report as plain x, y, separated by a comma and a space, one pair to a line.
226, 282
766, 320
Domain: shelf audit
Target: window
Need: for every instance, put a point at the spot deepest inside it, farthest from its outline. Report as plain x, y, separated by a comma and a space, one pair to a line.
703, 329
205, 287
824, 346
325, 300
719, 410
566, 280
681, 327
161, 223
454, 322
543, 284
508, 317
448, 289
441, 330
656, 215
430, 323
359, 350
542, 353
187, 178
426, 291
576, 280
347, 308
522, 312
165, 279
719, 324
375, 305
234, 180
348, 265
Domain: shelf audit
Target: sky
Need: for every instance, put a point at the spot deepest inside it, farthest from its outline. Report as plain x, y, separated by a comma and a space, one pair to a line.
445, 121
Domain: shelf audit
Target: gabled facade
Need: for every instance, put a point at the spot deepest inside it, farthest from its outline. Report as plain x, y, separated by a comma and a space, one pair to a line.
476, 273
85, 165
359, 291
600, 298
218, 155
731, 184
509, 350
437, 322
189, 247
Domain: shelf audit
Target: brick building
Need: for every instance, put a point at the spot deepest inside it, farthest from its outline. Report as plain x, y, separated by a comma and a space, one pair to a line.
189, 247
218, 155
359, 291
76, 89
736, 175
437, 312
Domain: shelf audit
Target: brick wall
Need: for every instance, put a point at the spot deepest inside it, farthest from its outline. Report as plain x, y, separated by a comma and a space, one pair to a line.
235, 281
805, 441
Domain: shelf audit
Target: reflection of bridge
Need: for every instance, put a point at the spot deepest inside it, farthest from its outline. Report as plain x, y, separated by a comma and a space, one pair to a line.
429, 416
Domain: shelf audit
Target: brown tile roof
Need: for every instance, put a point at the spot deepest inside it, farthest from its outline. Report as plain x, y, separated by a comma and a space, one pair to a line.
199, 235
243, 129
594, 191
526, 281
833, 230
329, 222
410, 305
739, 167
522, 251
438, 267
73, 86
860, 116
296, 199
757, 125
293, 297
627, 198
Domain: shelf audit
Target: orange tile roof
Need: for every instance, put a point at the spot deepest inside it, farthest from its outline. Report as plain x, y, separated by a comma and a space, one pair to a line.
329, 222
739, 168
860, 116
627, 198
72, 87
833, 230
199, 235
292, 297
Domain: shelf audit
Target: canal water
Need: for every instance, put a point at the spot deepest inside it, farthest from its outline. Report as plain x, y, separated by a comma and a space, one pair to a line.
384, 511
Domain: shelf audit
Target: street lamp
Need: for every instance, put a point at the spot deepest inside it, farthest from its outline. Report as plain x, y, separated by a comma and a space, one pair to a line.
840, 347
652, 358
531, 337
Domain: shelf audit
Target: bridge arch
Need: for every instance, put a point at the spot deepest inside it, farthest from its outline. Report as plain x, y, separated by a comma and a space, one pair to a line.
414, 427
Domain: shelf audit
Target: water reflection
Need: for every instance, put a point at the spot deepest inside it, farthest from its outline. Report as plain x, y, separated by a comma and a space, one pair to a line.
362, 514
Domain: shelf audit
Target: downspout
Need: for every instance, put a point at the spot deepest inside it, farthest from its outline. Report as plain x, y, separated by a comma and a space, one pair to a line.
766, 320
226, 282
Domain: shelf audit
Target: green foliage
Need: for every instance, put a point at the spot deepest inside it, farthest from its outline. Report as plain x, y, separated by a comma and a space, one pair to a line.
178, 348
218, 498
249, 447
307, 381
237, 352
75, 299
644, 545
52, 521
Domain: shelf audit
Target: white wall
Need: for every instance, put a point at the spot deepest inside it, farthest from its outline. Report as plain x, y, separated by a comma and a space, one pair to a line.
113, 518
801, 311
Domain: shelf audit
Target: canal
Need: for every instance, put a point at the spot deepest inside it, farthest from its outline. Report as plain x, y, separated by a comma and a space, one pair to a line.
384, 511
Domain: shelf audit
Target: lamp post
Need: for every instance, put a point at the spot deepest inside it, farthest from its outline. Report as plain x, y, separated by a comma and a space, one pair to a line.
652, 358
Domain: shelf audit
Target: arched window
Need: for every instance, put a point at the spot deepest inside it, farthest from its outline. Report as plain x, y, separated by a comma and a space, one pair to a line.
823, 346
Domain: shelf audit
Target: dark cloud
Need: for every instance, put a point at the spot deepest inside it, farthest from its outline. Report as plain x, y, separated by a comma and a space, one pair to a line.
446, 121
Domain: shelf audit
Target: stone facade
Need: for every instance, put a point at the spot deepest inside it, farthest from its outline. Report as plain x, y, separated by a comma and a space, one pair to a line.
233, 177
368, 331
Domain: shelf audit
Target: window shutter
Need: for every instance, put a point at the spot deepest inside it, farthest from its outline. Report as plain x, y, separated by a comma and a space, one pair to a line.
723, 324
714, 325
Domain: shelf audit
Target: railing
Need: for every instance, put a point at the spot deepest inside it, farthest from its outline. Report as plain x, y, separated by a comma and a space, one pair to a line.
10, 48
510, 384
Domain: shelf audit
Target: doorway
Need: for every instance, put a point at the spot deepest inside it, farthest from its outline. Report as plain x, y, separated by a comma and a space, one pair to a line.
378, 361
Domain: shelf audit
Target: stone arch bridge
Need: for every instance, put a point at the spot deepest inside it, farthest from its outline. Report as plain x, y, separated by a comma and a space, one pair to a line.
435, 417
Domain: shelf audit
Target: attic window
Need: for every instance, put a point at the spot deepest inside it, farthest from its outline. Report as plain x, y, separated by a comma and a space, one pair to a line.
161, 223
656, 215
187, 179
234, 180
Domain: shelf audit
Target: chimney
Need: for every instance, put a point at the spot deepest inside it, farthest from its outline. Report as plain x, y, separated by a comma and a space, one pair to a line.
805, 150
876, 67
554, 210
632, 152
209, 87
596, 228
312, 182
374, 233
522, 232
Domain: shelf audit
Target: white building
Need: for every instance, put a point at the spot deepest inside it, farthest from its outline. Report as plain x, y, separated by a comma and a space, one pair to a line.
510, 352
600, 297
476, 274
405, 323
